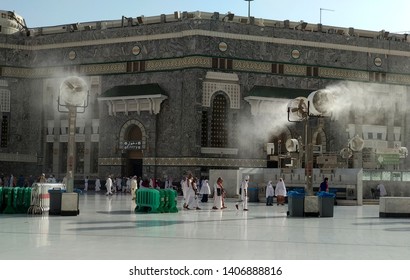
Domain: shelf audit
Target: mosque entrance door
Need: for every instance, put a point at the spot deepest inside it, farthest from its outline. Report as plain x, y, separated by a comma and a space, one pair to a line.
134, 167
133, 140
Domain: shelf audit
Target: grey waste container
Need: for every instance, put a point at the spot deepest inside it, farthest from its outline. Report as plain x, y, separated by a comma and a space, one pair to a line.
296, 204
326, 205
55, 201
253, 195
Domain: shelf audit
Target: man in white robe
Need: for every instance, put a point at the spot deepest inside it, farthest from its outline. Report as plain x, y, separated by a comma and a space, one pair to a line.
244, 194
134, 187
108, 185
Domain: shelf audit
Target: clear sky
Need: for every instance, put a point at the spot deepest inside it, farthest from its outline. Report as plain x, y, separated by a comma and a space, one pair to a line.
374, 15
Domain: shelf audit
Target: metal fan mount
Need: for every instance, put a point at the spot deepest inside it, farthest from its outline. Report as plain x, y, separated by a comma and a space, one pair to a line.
346, 153
298, 109
356, 144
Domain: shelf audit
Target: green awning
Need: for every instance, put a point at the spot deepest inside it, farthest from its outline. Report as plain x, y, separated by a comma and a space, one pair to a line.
278, 92
133, 90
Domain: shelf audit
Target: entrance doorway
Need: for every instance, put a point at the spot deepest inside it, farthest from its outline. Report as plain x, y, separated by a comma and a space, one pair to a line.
134, 167
133, 136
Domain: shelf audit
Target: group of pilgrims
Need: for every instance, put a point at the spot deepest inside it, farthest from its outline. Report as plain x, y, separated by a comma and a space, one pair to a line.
191, 191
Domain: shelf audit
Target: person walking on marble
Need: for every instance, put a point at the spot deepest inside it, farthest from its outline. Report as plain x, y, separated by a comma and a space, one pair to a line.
205, 191
97, 184
218, 192
134, 187
270, 193
109, 185
244, 194
280, 192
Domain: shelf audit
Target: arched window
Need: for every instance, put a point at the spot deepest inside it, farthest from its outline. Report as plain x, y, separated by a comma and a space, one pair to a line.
219, 122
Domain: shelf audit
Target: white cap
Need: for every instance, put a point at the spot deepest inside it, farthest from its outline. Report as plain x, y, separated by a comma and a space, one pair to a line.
247, 177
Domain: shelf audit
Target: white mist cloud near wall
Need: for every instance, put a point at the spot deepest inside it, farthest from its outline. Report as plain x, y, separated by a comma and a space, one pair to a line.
271, 121
363, 98
371, 100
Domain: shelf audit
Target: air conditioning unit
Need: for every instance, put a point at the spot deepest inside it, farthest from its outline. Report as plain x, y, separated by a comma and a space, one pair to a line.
270, 148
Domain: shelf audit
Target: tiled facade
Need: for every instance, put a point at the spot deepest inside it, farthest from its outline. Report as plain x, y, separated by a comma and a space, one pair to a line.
193, 60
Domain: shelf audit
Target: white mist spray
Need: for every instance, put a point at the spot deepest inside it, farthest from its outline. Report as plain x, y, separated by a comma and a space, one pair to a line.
369, 100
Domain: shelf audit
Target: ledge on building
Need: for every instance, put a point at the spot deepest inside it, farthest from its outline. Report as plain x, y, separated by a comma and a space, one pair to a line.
219, 151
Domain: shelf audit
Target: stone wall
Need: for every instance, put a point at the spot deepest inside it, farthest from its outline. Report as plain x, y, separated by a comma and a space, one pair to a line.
168, 50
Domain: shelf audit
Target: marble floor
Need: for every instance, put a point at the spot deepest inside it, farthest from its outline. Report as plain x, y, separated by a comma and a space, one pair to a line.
107, 228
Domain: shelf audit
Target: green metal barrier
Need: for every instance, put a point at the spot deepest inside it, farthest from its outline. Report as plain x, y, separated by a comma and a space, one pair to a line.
147, 200
15, 198
27, 198
1, 199
18, 200
162, 205
172, 200
166, 201
8, 198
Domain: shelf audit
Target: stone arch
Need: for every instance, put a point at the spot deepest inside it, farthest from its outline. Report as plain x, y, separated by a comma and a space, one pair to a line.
319, 138
216, 82
224, 94
133, 141
127, 128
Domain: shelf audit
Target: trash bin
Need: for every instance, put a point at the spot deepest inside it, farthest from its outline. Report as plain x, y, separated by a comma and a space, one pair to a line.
326, 204
253, 195
55, 200
296, 204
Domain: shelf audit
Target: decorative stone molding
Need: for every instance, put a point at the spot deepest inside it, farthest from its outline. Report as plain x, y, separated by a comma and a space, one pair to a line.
343, 74
298, 70
124, 130
208, 162
112, 161
126, 104
228, 83
4, 100
203, 62
252, 66
178, 63
18, 157
219, 151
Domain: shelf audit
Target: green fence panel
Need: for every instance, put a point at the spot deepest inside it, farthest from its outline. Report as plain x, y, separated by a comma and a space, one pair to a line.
172, 200
27, 198
8, 198
1, 199
147, 200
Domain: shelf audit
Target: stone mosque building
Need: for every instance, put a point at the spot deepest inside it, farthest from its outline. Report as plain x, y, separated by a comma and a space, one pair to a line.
196, 91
